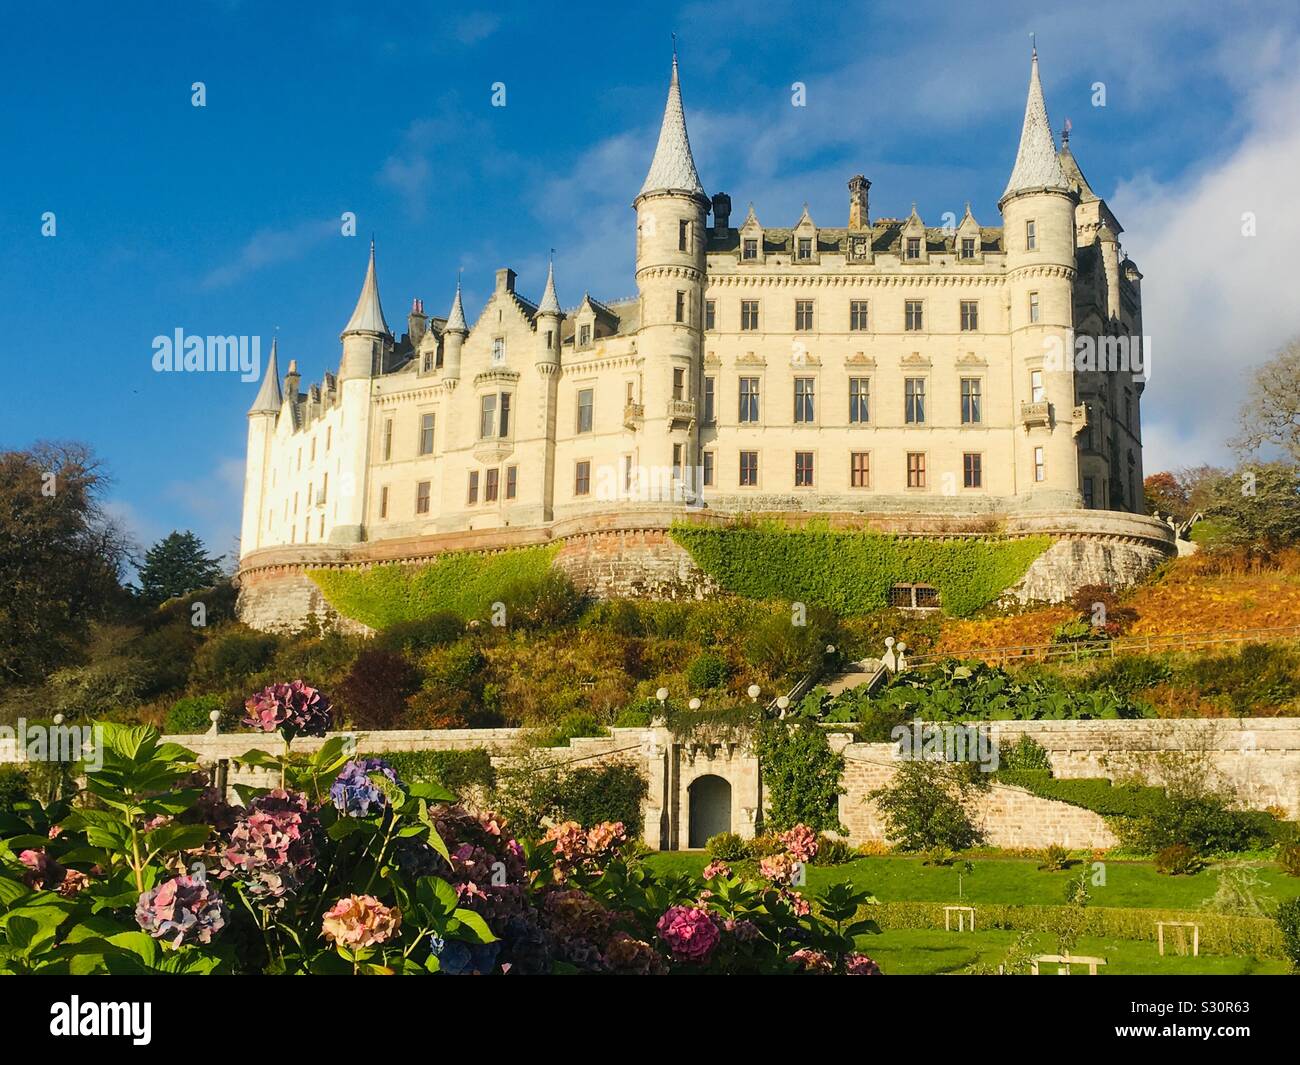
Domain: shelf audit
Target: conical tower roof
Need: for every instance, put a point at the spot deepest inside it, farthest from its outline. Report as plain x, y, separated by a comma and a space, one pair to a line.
1037, 166
673, 166
550, 302
268, 399
369, 315
456, 317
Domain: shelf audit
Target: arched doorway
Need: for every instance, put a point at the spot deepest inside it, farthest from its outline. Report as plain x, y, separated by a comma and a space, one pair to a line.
710, 809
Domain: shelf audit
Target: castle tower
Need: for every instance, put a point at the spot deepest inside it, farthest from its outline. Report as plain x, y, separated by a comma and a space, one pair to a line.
262, 416
548, 321
670, 274
367, 341
1038, 218
453, 340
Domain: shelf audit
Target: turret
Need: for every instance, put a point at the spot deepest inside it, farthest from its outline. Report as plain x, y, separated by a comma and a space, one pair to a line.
262, 416
1038, 224
670, 272
453, 339
366, 337
548, 325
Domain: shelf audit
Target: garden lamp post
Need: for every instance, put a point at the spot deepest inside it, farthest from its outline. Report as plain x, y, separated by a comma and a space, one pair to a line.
754, 692
783, 704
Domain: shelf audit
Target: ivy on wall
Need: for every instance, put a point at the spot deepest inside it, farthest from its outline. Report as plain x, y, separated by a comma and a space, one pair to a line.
466, 584
851, 571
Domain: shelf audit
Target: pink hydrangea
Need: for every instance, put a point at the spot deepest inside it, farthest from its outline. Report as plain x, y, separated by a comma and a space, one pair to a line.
813, 962
360, 921
860, 965
689, 932
605, 836
801, 843
569, 840
716, 868
743, 929
293, 709
778, 868
797, 903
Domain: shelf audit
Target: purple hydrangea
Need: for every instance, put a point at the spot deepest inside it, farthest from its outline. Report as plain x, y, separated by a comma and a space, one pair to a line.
293, 709
182, 910
273, 847
355, 794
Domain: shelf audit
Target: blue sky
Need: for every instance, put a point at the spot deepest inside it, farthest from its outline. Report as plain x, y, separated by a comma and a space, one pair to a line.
225, 219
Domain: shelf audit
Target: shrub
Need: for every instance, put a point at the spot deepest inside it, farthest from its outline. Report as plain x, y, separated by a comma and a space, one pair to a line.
13, 786
727, 847
1129, 674
1288, 923
801, 774
457, 771
766, 845
925, 806
1054, 858
418, 635
542, 600
609, 792
190, 715
832, 850
1178, 859
1025, 754
619, 616
1099, 606
1204, 823
572, 726
230, 657
783, 649
1288, 857
938, 855
374, 693
707, 671
634, 717
97, 689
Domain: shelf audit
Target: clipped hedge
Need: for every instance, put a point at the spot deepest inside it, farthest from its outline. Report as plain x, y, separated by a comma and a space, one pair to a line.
851, 572
1092, 793
457, 771
1220, 933
464, 584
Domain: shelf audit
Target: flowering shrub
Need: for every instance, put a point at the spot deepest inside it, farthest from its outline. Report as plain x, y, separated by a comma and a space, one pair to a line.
347, 869
292, 710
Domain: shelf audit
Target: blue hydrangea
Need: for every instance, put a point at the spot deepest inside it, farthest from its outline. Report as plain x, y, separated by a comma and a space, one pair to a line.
354, 794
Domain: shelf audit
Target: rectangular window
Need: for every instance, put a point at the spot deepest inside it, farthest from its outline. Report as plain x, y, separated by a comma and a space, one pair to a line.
858, 315
1040, 465
329, 438
426, 434
582, 479
584, 335
683, 235
707, 473
383, 502
803, 469
860, 469
970, 315
388, 439
422, 497
1086, 439
1033, 306
324, 487
916, 469
1088, 497
709, 394
748, 314
679, 383
1031, 236
487, 416
586, 409
504, 429
972, 471
971, 401
312, 457
749, 469
498, 350
859, 400
512, 482
750, 250
803, 400
803, 315
968, 247
710, 314
914, 400
679, 459
912, 314
913, 247
749, 399
1037, 394
681, 306
805, 249
471, 496
491, 485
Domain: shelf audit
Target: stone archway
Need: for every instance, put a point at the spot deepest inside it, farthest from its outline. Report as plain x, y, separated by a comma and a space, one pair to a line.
710, 805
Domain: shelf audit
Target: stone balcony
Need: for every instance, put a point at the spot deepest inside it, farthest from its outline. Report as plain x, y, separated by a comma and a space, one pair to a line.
681, 413
633, 415
1033, 415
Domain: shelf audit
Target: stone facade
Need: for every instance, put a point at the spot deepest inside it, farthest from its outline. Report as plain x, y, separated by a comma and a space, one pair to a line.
882, 367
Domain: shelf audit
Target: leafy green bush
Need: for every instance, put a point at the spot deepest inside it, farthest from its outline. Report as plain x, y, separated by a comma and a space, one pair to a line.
801, 775
464, 584
13, 786
727, 847
572, 726
1204, 823
420, 634
1288, 924
784, 649
832, 850
190, 716
1025, 754
1054, 858
852, 572
1128, 674
1092, 793
230, 657
373, 695
707, 671
541, 600
532, 792
457, 771
1178, 859
926, 805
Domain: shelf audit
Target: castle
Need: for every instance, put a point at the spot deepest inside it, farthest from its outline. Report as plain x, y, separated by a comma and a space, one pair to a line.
881, 367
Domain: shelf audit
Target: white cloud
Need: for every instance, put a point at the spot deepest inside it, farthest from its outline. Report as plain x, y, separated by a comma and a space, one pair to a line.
267, 247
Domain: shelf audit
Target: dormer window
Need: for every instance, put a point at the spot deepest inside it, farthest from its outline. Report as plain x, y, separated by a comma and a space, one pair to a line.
584, 336
914, 247
805, 249
749, 249
968, 247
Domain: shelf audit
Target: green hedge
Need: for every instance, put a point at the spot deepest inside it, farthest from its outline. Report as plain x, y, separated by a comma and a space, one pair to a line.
852, 572
1092, 793
465, 584
1220, 933
456, 771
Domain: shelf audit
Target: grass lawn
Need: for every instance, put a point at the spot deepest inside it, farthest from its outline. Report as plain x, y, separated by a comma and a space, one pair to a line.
1012, 881
925, 952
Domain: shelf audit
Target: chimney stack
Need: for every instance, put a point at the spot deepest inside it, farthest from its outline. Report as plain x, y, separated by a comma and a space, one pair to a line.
416, 323
505, 280
721, 212
859, 215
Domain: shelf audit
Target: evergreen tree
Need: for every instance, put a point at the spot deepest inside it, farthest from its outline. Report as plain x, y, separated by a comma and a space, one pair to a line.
177, 565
